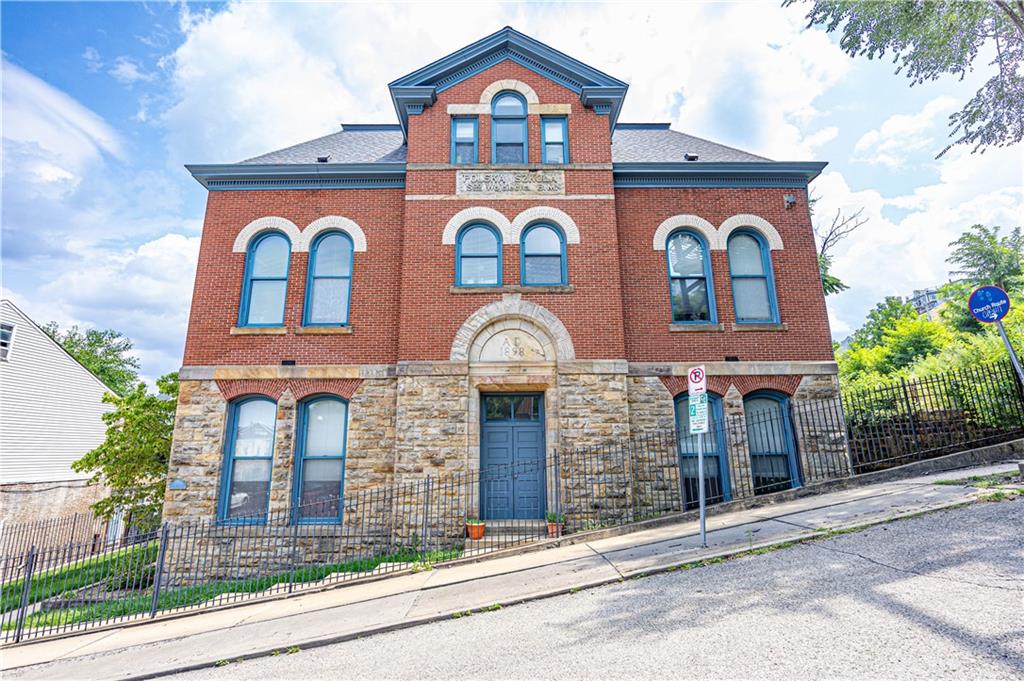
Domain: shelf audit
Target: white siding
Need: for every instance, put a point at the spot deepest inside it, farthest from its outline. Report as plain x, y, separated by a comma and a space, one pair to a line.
50, 406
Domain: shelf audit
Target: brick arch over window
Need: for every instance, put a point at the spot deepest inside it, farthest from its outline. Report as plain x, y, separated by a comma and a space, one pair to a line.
676, 385
770, 234
272, 388
697, 224
476, 214
788, 384
545, 214
512, 306
271, 223
340, 387
509, 84
328, 223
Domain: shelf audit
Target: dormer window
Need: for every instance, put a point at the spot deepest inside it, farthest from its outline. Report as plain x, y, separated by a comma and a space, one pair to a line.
508, 128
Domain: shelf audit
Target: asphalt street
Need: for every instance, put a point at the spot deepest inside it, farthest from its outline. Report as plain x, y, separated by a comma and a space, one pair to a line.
938, 596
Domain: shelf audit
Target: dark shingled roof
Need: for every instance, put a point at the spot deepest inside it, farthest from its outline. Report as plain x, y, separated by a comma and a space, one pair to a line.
631, 143
657, 144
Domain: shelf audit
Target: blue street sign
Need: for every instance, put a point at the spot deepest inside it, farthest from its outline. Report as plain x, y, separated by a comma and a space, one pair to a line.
988, 304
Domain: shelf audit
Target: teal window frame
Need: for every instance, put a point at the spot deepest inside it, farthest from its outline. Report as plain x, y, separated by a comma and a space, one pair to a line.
709, 282
301, 458
767, 274
228, 467
788, 436
248, 279
564, 120
496, 118
476, 139
458, 254
311, 278
715, 406
523, 255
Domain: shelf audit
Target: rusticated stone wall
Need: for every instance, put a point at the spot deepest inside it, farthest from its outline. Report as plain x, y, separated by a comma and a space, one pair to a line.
819, 428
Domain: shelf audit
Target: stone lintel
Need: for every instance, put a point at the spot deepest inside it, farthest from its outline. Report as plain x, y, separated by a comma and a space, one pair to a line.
734, 368
594, 366
432, 368
228, 373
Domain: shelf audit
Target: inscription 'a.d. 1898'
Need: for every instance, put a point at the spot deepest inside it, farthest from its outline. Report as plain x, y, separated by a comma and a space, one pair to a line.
510, 182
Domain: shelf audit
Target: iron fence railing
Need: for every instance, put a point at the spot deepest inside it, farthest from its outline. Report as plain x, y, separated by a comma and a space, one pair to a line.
55, 585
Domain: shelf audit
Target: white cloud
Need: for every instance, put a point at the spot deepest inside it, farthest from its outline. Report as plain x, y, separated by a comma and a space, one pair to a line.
903, 135
128, 71
48, 133
93, 63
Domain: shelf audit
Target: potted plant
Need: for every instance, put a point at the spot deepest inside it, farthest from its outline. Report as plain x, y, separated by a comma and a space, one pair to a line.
474, 528
556, 521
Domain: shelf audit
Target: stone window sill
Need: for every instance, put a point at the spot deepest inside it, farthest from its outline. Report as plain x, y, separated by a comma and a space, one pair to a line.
465, 290
259, 330
682, 328
323, 330
760, 327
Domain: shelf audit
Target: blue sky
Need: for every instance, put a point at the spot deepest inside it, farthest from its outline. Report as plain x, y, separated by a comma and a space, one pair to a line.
104, 102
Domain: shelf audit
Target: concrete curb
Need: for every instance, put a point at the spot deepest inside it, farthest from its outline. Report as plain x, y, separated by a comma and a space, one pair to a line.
736, 552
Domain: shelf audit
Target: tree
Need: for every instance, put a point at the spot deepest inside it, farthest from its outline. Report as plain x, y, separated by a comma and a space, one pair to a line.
911, 339
842, 226
934, 38
132, 461
104, 353
882, 318
983, 257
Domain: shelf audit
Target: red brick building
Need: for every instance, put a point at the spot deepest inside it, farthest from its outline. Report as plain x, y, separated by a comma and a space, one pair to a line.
507, 270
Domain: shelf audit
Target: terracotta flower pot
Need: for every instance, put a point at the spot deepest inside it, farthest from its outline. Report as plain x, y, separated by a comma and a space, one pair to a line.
475, 531
555, 530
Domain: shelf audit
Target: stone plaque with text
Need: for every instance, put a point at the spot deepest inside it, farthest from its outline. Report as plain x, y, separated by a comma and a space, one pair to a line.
491, 182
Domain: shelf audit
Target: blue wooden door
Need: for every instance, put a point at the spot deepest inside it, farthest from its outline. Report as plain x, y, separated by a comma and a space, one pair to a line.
512, 480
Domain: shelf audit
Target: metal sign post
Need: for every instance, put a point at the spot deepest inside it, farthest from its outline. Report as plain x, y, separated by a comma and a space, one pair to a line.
697, 388
989, 304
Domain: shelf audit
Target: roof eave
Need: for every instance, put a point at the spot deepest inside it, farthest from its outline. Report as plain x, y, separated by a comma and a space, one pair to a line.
717, 173
238, 176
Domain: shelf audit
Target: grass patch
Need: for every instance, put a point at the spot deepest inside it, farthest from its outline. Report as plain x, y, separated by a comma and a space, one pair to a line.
121, 567
983, 481
193, 595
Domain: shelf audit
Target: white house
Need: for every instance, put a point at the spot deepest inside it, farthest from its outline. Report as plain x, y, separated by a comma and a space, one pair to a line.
50, 415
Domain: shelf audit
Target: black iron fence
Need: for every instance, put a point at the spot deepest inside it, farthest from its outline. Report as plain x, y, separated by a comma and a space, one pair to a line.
924, 418
55, 586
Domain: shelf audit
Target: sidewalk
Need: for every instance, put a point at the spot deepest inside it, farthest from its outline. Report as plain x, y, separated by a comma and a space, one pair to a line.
166, 646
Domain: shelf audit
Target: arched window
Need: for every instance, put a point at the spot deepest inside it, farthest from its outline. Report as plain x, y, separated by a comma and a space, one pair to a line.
753, 289
320, 460
508, 129
266, 281
716, 468
248, 460
329, 284
770, 440
478, 256
689, 277
543, 256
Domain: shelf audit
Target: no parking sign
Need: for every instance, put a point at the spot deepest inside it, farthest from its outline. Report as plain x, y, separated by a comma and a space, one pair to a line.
697, 381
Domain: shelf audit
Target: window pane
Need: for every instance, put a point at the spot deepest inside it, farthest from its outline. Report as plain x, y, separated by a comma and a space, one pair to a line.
464, 153
508, 105
690, 300
685, 256
321, 488
479, 241
329, 304
333, 256
688, 442
509, 153
543, 241
479, 271
526, 408
553, 153
751, 299
325, 428
553, 131
765, 426
464, 130
745, 255
254, 428
250, 488
270, 258
266, 302
498, 408
543, 269
508, 132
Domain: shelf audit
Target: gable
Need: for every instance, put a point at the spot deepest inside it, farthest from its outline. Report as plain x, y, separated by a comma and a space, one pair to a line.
419, 89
